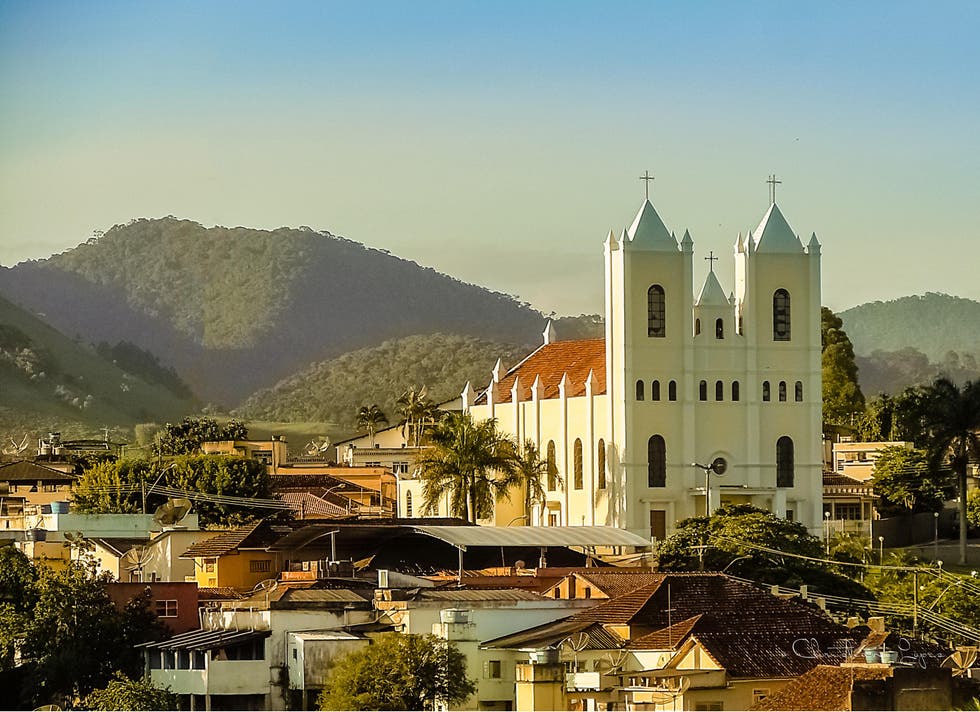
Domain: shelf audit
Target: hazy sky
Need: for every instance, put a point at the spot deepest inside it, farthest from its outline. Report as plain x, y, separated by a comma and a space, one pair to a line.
499, 142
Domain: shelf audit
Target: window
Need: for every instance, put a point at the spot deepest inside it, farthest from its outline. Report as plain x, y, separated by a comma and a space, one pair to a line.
601, 463
656, 312
656, 462
639, 390
758, 695
658, 524
780, 315
782, 391
587, 592
655, 390
672, 390
260, 566
719, 328
709, 706
799, 391
703, 390
850, 511
741, 329
697, 327
166, 609
493, 669
765, 391
719, 391
408, 504
735, 391
577, 463
209, 565
784, 462
552, 466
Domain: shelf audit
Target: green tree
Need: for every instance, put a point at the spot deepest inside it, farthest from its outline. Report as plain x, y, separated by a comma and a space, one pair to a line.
222, 475
124, 693
906, 481
895, 418
951, 421
398, 672
727, 541
471, 462
369, 418
973, 508
186, 436
17, 579
416, 411
528, 472
113, 487
842, 397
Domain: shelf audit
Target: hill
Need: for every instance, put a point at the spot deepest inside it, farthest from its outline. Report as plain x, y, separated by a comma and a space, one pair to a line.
332, 391
236, 309
48, 380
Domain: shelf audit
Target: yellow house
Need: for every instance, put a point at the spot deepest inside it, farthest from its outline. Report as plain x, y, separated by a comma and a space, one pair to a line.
236, 559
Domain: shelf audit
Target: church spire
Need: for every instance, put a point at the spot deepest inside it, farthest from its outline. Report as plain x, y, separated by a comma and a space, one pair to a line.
648, 231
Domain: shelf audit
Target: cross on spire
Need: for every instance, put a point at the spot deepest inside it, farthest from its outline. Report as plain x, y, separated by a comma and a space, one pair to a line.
772, 187
646, 178
711, 260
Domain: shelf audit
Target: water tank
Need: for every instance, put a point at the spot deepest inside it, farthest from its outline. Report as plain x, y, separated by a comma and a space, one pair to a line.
454, 615
59, 508
36, 535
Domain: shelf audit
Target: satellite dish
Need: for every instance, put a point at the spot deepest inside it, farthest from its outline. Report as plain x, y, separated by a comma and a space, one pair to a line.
611, 663
47, 708
719, 465
961, 660
139, 556
576, 642
171, 512
266, 586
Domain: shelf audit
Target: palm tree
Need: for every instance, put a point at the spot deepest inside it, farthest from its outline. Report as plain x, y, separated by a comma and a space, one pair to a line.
416, 410
951, 418
369, 418
528, 472
471, 462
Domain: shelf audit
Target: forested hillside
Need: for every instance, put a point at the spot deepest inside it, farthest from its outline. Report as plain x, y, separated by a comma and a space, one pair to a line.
237, 309
332, 391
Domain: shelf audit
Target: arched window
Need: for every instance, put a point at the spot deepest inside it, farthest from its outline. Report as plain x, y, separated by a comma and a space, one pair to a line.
655, 390
656, 462
765, 391
577, 463
639, 390
780, 315
799, 391
408, 504
552, 466
719, 391
784, 462
782, 391
697, 327
719, 328
601, 463
672, 391
703, 390
735, 391
656, 312
741, 329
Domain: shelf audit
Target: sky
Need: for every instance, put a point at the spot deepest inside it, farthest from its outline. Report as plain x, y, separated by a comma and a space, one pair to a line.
500, 142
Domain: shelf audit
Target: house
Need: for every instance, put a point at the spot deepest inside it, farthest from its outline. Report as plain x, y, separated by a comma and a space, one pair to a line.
175, 604
857, 459
848, 505
338, 491
726, 376
26, 488
272, 453
238, 558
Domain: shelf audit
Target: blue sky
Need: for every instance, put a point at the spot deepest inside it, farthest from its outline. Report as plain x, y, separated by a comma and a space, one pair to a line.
499, 142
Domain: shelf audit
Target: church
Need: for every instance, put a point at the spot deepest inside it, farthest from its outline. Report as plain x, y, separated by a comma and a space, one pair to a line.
631, 424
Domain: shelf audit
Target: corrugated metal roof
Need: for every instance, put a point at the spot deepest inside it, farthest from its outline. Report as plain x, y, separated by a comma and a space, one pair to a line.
477, 594
207, 639
533, 536
551, 635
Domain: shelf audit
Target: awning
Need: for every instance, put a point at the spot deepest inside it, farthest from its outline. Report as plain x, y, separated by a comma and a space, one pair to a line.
207, 639
464, 537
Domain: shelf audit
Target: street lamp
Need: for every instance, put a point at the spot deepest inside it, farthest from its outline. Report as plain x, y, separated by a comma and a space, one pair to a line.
935, 536
826, 532
719, 465
881, 550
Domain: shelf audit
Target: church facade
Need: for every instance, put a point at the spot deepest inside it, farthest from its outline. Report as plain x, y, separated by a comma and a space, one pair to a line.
681, 378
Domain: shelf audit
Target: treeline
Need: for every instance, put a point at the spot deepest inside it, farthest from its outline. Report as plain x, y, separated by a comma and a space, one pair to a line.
140, 362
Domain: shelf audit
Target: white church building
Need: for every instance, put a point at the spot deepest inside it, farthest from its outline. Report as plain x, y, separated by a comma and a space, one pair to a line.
681, 377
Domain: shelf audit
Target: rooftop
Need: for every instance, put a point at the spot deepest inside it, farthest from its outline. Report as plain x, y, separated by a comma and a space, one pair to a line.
549, 364
825, 687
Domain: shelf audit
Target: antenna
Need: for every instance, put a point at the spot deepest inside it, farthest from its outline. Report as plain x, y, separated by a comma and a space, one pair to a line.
266, 586
140, 555
961, 660
171, 512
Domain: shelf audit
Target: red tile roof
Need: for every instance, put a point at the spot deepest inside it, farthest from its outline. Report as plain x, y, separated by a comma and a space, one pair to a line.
826, 687
549, 363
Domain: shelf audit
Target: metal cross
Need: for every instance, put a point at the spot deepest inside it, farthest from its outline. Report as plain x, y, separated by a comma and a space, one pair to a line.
646, 178
772, 187
711, 260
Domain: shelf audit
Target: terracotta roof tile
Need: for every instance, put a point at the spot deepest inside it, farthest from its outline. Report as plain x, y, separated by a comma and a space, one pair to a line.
26, 471
549, 363
220, 544
667, 638
615, 583
776, 654
826, 687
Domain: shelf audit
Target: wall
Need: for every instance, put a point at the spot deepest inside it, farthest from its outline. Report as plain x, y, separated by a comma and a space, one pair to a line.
184, 593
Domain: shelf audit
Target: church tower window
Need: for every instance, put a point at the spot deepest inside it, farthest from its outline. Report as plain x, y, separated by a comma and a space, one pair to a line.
672, 391
552, 466
577, 463
655, 390
408, 504
703, 390
601, 462
765, 391
799, 391
639, 390
656, 462
780, 316
656, 312
719, 391
719, 328
697, 327
782, 391
735, 391
784, 462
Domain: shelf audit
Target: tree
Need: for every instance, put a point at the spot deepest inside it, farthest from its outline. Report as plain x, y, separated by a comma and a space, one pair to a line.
471, 462
416, 411
186, 436
895, 418
123, 693
973, 508
727, 541
113, 487
369, 418
951, 421
842, 397
528, 471
398, 672
905, 481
